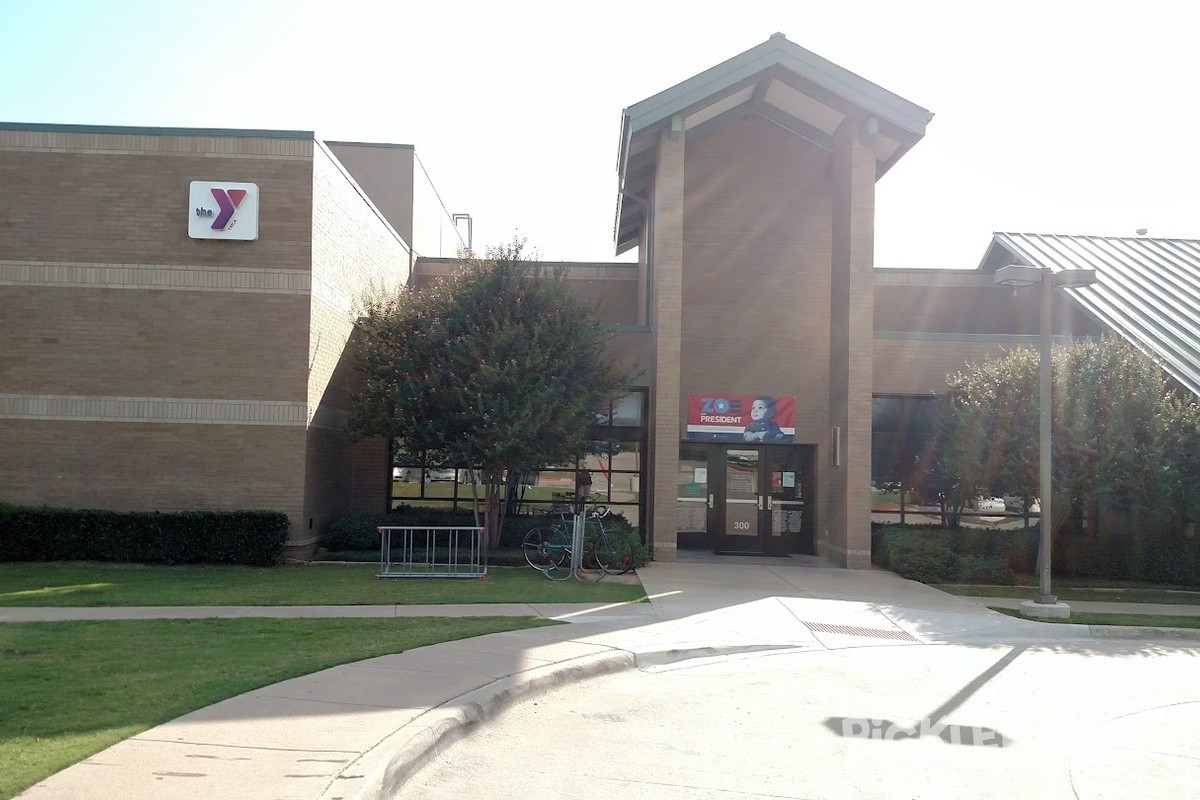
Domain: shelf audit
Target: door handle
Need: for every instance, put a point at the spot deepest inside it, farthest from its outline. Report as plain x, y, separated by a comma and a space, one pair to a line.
760, 502
770, 503
710, 501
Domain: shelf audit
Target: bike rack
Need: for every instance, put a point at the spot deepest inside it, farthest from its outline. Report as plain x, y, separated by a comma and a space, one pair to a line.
431, 552
576, 545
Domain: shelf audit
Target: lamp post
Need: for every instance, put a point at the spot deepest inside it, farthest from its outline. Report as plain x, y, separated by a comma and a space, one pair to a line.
1016, 275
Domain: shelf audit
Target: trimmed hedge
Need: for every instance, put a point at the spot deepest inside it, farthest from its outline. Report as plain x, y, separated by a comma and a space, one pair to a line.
935, 555
357, 532
1149, 555
253, 538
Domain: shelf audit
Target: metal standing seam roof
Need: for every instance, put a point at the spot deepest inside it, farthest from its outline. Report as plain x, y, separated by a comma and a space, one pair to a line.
1147, 290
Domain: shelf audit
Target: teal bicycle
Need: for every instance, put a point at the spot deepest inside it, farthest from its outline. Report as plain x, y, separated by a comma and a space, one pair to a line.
548, 548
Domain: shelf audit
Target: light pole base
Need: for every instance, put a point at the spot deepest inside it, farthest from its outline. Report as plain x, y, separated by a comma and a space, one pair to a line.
1036, 610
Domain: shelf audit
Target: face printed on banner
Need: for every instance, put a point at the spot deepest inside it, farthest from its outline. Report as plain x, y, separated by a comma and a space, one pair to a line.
742, 418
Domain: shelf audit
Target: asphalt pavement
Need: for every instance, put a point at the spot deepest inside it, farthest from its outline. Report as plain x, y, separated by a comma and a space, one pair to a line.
363, 730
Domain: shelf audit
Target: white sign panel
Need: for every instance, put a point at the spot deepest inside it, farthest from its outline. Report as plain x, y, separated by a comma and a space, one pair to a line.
223, 210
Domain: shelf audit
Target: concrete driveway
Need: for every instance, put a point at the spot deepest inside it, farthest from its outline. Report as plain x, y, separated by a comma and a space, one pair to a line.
366, 729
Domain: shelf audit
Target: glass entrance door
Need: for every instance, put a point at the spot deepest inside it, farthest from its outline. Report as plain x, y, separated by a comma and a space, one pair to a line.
743, 503
760, 500
789, 519
745, 498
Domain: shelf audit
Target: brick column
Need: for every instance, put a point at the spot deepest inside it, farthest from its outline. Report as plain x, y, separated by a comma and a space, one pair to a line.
847, 513
666, 253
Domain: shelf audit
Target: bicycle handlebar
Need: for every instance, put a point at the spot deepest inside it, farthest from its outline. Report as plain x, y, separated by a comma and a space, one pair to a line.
596, 511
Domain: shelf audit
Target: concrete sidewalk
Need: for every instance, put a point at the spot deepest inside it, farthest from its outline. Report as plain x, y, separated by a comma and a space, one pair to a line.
359, 730
567, 612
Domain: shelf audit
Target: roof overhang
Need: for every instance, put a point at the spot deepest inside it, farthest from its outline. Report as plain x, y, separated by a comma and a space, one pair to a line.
777, 80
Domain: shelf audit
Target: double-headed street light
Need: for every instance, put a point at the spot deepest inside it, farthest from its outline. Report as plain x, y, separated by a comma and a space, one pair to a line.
1017, 275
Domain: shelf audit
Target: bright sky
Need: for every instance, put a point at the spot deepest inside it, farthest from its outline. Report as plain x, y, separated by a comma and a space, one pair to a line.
1052, 116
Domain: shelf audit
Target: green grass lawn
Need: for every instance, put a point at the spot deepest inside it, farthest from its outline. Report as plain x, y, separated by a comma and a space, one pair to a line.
316, 584
71, 689
1111, 592
1139, 620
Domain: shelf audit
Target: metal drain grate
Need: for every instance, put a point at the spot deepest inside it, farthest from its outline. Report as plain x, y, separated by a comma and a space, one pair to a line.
851, 630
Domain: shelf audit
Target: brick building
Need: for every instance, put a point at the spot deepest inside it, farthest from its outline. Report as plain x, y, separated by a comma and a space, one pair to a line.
144, 368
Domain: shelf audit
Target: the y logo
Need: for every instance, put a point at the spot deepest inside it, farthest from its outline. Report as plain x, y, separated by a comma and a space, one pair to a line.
227, 200
225, 210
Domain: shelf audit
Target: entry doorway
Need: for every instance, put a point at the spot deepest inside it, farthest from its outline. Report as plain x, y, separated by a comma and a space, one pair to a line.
747, 499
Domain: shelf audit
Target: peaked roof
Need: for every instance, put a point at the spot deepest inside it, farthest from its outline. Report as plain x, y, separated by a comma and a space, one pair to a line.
778, 80
1148, 290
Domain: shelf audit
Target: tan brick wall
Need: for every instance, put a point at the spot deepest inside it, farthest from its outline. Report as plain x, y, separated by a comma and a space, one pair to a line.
370, 476
920, 366
753, 291
612, 290
138, 466
980, 309
756, 270
614, 300
667, 245
635, 350
141, 369
102, 205
846, 519
78, 340
354, 253
933, 323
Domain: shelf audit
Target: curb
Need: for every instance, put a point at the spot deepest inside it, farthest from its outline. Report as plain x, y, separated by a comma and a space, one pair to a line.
410, 748
398, 757
384, 769
1143, 633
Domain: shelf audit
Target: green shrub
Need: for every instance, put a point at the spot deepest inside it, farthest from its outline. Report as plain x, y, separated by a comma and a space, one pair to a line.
1149, 555
358, 532
924, 558
936, 555
983, 570
617, 525
187, 537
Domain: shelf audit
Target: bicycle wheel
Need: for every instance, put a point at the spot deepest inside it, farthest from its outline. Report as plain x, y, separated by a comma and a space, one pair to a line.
614, 553
537, 548
558, 546
590, 568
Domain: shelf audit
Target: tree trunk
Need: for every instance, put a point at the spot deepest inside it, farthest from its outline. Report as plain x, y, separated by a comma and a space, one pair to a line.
493, 507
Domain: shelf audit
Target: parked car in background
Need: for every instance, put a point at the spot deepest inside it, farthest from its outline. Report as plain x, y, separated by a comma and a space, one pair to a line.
1015, 503
988, 504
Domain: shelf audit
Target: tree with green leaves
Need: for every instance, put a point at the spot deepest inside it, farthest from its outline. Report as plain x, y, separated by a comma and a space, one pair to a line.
499, 367
983, 429
1122, 438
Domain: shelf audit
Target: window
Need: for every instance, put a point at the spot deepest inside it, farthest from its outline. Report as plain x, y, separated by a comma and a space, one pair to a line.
616, 459
901, 427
